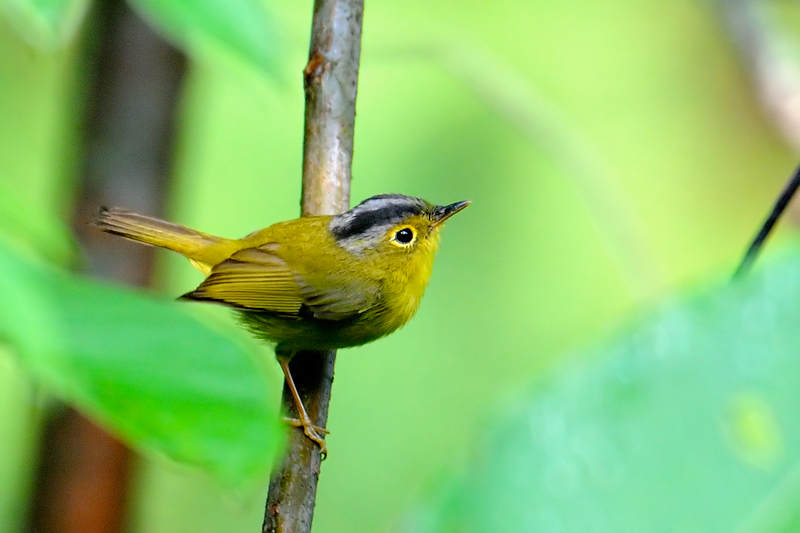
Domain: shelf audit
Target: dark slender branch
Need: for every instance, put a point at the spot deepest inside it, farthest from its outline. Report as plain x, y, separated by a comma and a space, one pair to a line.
331, 80
777, 210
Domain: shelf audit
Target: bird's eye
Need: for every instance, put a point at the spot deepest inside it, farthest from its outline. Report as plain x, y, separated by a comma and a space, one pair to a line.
404, 236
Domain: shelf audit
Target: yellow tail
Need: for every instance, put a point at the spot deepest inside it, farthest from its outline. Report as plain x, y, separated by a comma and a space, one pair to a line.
203, 250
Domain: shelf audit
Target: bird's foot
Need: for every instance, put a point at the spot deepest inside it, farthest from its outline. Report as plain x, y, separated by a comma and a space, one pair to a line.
312, 432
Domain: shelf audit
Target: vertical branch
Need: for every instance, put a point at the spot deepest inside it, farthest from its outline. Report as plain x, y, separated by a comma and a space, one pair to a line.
133, 84
331, 80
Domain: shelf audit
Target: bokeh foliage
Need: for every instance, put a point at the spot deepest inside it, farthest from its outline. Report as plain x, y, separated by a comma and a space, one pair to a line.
158, 376
686, 422
652, 96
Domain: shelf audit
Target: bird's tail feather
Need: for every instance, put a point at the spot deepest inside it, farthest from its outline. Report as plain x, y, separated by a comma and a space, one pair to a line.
202, 249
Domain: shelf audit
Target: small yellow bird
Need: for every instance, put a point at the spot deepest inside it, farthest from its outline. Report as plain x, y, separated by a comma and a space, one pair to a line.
313, 283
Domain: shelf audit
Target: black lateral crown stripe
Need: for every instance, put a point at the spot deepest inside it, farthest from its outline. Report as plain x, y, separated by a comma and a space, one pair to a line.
362, 221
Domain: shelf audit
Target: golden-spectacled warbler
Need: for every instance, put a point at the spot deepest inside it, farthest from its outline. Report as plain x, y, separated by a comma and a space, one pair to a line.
313, 283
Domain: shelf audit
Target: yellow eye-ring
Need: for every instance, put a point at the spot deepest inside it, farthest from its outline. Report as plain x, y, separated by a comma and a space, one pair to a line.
403, 236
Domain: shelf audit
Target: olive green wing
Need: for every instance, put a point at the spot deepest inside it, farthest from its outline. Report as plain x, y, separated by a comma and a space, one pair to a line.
257, 279
338, 301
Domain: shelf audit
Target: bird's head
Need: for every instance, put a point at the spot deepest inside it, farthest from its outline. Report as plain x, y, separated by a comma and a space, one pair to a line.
392, 225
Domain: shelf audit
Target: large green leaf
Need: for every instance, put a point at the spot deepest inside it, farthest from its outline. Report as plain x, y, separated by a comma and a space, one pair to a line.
45, 23
689, 422
241, 27
152, 372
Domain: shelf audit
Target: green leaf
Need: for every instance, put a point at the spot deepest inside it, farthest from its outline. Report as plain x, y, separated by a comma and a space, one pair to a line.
688, 422
242, 27
47, 24
152, 372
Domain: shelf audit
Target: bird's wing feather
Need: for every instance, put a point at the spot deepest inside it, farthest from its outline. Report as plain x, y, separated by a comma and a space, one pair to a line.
337, 302
257, 279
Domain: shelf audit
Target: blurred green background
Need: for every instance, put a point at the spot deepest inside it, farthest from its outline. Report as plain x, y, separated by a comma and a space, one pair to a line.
614, 151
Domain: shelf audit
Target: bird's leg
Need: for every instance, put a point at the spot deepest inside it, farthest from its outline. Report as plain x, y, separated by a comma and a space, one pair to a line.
304, 421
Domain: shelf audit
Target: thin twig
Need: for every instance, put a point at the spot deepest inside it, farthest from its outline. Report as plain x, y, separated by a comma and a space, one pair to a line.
777, 210
331, 80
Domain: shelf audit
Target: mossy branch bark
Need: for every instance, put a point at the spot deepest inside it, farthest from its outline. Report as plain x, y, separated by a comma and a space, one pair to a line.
331, 81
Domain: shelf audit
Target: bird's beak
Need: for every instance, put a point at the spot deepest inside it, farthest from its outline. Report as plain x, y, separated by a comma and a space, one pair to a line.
443, 212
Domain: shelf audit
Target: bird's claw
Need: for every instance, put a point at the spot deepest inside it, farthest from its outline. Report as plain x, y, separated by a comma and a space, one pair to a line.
313, 433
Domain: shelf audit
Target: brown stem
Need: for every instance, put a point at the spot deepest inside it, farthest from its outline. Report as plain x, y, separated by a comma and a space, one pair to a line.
132, 88
331, 80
